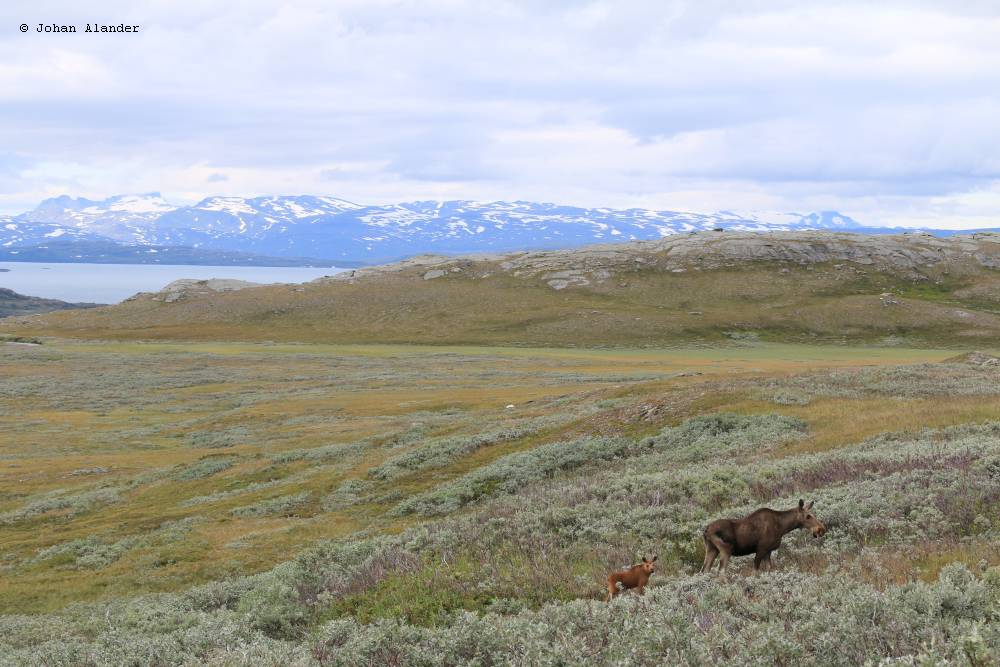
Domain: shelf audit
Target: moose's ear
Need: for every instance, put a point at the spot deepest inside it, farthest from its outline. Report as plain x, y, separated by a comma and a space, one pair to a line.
801, 503
811, 503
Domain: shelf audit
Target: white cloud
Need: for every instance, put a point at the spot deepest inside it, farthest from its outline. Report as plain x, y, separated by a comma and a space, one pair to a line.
883, 110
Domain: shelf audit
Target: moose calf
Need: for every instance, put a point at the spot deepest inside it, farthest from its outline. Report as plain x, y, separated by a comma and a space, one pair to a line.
636, 577
759, 533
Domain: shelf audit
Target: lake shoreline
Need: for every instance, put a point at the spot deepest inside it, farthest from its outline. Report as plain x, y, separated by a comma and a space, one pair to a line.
112, 283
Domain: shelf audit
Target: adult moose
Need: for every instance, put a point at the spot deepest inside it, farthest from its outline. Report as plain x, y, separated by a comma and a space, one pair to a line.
759, 533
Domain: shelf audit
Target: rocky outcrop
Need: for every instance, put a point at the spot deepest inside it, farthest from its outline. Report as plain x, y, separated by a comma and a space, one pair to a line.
910, 254
975, 359
708, 250
428, 266
188, 287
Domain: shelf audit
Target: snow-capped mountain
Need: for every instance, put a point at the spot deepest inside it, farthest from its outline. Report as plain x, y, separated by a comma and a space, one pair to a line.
16, 231
123, 218
331, 228
251, 220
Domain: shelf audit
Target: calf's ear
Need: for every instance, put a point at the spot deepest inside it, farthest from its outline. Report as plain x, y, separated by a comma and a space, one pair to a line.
644, 560
811, 503
801, 503
654, 559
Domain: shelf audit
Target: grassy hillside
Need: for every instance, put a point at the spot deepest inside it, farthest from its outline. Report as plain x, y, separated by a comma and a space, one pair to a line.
12, 304
783, 288
224, 503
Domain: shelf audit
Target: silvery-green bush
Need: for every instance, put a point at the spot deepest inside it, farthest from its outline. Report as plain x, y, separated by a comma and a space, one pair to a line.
94, 552
206, 467
915, 381
779, 618
782, 618
549, 527
443, 451
73, 503
280, 506
349, 492
509, 473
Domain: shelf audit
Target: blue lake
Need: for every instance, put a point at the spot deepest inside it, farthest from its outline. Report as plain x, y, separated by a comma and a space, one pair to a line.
110, 283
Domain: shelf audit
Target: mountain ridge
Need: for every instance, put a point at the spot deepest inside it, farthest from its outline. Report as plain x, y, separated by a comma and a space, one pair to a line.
334, 229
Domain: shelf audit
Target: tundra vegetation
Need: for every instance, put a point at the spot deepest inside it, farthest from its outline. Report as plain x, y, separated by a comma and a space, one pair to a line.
309, 504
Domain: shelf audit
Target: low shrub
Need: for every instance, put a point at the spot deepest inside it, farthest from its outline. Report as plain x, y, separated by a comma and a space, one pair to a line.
204, 468
280, 506
59, 500
509, 473
444, 451
348, 493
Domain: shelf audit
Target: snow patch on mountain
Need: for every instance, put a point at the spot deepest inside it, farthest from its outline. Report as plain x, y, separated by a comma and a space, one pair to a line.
332, 228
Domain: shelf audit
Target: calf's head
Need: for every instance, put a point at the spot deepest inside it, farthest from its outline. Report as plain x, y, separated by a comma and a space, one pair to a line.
809, 521
648, 566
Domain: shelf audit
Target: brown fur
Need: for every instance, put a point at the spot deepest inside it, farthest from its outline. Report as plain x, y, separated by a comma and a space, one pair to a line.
759, 533
635, 577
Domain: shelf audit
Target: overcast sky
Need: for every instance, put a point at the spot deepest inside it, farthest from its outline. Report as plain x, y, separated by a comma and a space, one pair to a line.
885, 111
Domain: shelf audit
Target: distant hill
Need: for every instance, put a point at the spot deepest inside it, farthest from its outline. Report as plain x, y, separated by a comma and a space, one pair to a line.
109, 252
12, 303
335, 230
711, 287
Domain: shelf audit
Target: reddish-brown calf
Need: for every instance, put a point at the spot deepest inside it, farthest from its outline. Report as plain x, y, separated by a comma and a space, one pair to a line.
635, 577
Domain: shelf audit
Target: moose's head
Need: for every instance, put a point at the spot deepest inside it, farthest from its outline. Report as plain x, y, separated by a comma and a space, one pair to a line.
809, 521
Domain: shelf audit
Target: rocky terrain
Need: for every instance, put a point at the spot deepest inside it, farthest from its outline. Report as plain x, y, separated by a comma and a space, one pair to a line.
913, 255
186, 288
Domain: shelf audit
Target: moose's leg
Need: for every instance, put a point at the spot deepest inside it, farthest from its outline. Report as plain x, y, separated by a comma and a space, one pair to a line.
710, 553
722, 548
724, 553
767, 561
759, 558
